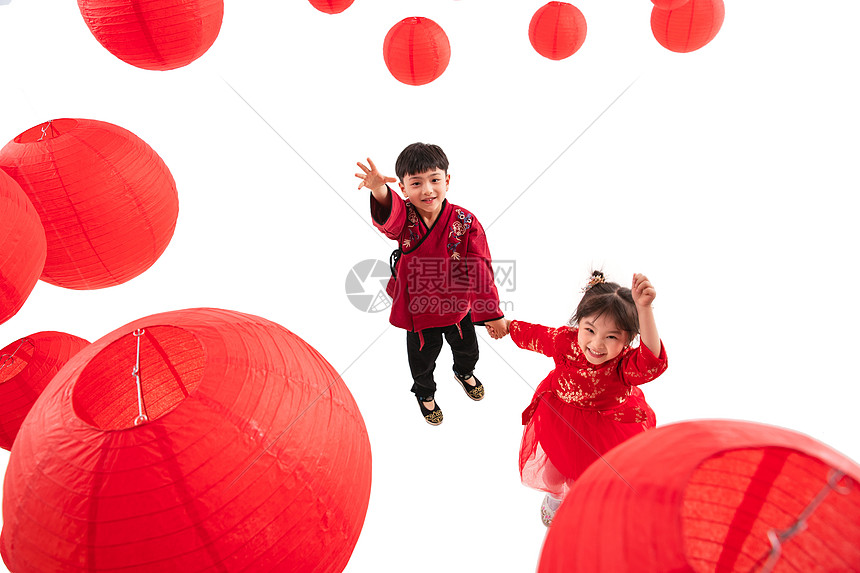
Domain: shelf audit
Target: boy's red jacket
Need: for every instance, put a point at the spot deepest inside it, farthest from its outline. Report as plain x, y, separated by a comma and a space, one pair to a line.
442, 272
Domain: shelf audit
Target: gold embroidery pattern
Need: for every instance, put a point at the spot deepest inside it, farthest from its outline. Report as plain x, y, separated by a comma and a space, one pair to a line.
638, 415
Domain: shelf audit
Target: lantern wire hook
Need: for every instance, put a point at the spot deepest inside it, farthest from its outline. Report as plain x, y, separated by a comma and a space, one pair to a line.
6, 359
142, 418
45, 127
778, 538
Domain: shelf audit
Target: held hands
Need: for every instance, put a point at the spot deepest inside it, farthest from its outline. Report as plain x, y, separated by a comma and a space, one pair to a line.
372, 178
642, 290
498, 328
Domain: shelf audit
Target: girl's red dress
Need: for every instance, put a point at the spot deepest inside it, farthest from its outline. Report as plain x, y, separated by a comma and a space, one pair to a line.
580, 411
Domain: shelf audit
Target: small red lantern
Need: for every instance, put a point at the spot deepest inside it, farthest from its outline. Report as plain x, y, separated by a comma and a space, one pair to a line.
154, 34
416, 51
331, 6
688, 27
193, 440
26, 367
557, 30
669, 4
22, 247
107, 201
711, 496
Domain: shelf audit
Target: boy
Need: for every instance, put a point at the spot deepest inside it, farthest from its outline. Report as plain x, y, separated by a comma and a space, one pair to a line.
441, 274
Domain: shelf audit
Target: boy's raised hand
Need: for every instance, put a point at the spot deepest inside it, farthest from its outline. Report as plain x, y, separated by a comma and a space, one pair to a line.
642, 290
371, 177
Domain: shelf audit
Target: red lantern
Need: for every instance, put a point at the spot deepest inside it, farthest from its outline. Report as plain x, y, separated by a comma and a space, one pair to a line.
22, 247
26, 367
107, 201
711, 496
557, 30
193, 440
331, 6
688, 27
669, 4
154, 34
416, 51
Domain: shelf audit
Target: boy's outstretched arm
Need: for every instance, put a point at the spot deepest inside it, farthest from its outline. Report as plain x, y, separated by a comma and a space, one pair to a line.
376, 182
643, 295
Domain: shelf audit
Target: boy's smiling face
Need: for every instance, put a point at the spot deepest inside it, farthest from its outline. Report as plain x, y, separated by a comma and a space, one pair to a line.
426, 191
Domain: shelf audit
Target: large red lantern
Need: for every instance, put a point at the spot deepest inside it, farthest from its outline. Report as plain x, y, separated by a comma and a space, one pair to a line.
711, 496
107, 201
194, 440
688, 27
416, 51
22, 247
26, 367
331, 6
154, 34
557, 30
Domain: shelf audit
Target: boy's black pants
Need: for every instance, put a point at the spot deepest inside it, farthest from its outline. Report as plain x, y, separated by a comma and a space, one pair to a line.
422, 361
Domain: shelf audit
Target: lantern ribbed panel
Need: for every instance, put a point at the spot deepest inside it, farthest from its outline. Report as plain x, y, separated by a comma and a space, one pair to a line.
557, 30
26, 368
260, 460
154, 34
331, 6
22, 247
688, 27
106, 200
669, 4
734, 499
416, 51
701, 496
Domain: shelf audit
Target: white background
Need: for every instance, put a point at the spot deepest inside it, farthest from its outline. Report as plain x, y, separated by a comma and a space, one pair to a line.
728, 175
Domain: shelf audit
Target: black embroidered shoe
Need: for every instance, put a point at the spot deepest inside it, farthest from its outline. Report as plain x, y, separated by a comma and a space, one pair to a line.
434, 416
475, 392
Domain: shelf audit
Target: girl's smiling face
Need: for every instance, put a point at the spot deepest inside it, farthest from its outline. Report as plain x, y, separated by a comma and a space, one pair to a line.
600, 339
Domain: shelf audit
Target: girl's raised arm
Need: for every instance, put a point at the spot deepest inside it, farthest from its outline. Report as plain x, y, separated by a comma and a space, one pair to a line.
643, 295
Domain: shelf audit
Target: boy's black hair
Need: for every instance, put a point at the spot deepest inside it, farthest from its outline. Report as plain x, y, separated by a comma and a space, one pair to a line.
418, 158
610, 299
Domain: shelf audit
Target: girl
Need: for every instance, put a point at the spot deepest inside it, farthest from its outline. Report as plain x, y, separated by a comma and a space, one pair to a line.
590, 402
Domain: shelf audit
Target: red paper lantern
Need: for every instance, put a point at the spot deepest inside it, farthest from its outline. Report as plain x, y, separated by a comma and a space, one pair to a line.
688, 27
557, 30
154, 34
711, 496
416, 51
22, 247
669, 4
253, 457
26, 367
331, 6
107, 201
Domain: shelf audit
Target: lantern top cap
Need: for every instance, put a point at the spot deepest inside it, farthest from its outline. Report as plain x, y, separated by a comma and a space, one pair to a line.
150, 371
48, 130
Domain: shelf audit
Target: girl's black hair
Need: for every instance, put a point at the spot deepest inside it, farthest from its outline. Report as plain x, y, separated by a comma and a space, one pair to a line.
610, 299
